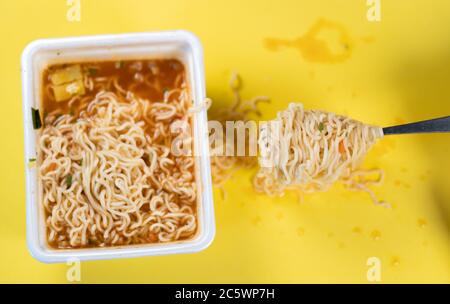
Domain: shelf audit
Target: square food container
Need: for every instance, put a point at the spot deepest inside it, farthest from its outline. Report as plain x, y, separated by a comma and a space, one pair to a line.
181, 45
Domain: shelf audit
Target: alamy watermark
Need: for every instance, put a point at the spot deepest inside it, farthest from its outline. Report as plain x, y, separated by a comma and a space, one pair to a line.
374, 269
232, 139
373, 10
73, 10
73, 273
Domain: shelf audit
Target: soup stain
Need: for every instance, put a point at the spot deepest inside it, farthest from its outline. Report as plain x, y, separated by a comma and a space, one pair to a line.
384, 146
375, 235
315, 48
357, 230
399, 120
223, 194
330, 235
422, 223
256, 220
300, 231
395, 261
400, 183
368, 39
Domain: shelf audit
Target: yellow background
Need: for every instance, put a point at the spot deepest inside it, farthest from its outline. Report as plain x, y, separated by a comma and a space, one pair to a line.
399, 71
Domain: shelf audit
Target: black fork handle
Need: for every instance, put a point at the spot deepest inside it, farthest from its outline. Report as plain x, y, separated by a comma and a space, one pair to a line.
437, 125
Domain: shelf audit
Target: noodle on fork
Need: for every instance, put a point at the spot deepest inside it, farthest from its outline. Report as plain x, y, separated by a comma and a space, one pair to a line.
311, 150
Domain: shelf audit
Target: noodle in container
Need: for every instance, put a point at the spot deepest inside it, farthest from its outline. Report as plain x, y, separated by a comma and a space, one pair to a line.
134, 200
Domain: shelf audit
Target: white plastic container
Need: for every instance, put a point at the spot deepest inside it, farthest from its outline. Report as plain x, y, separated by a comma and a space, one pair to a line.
175, 44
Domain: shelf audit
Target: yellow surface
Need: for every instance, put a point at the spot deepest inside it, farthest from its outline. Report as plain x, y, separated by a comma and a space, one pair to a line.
398, 70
